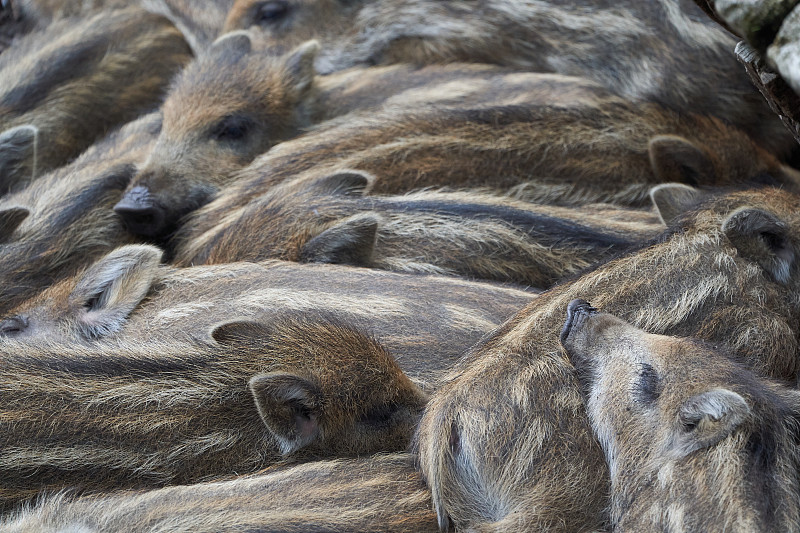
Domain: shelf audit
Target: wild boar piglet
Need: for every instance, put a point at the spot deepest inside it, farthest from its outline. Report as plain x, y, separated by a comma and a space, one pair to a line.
694, 440
130, 415
129, 296
472, 234
64, 220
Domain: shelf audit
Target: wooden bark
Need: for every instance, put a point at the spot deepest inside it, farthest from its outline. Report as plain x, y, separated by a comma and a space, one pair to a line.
782, 99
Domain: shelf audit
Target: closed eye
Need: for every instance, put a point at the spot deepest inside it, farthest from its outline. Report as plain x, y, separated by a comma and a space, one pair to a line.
13, 326
648, 385
235, 128
271, 12
380, 416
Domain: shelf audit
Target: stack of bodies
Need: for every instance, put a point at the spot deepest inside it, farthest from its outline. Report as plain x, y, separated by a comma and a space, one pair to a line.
397, 265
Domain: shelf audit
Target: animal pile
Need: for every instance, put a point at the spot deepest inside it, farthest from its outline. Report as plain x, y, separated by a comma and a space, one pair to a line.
393, 265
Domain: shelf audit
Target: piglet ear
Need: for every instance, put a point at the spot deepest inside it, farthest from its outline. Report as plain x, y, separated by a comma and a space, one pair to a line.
300, 69
673, 199
763, 238
676, 159
10, 220
707, 418
350, 242
242, 332
345, 183
290, 406
233, 45
111, 288
18, 156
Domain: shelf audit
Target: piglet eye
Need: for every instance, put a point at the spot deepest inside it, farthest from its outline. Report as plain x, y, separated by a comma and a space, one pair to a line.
271, 12
689, 425
232, 129
13, 326
380, 416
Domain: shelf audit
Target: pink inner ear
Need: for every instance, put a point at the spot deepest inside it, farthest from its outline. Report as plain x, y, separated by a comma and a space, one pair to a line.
307, 427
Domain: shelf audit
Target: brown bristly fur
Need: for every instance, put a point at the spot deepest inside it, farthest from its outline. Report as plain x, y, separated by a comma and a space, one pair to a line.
44, 12
425, 321
378, 493
200, 21
65, 219
463, 126
266, 99
586, 146
470, 234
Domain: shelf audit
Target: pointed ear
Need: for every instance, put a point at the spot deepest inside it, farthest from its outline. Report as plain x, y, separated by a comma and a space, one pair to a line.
290, 406
241, 331
17, 156
10, 219
349, 242
675, 159
762, 237
673, 199
345, 182
233, 45
706, 419
111, 288
300, 70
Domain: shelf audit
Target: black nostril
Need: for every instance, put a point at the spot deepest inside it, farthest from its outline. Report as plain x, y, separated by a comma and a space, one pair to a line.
140, 213
14, 325
137, 217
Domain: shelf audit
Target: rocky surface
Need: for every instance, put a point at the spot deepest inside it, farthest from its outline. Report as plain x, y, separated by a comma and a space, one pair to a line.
770, 51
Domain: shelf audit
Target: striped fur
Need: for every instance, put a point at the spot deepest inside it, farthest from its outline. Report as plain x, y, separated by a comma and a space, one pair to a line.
64, 220
425, 321
269, 99
551, 139
468, 234
79, 78
43, 12
463, 127
378, 493
200, 21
